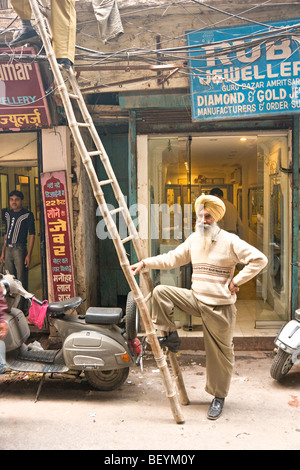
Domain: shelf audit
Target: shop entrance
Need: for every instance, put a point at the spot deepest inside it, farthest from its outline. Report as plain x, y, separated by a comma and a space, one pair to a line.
19, 169
250, 172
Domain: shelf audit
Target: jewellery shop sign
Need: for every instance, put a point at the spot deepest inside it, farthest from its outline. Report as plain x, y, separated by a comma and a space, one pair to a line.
245, 71
23, 104
58, 235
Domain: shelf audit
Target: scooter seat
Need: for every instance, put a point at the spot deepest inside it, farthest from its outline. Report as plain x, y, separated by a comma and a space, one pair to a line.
64, 305
104, 315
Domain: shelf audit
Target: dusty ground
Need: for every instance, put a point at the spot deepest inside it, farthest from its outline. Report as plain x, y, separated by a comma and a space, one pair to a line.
258, 414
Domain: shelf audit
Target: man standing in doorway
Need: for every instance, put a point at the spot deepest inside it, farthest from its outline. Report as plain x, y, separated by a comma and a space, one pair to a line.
214, 254
19, 222
231, 220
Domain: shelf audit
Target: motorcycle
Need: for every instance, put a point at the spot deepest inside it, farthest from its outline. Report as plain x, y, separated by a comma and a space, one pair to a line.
102, 343
288, 352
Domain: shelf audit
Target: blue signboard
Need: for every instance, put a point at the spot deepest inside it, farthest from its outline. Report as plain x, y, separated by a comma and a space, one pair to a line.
245, 71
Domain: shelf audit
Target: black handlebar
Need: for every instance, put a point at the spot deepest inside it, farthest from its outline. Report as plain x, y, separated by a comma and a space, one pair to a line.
37, 301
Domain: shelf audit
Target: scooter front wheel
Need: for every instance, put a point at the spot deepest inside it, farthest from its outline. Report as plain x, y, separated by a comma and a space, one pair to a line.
281, 365
106, 380
132, 316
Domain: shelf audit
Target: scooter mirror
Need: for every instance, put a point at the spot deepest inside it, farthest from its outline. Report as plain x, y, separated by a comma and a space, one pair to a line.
5, 287
14, 287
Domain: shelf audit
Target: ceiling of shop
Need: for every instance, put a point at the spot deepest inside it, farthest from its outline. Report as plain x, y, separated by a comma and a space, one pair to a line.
221, 151
217, 154
18, 149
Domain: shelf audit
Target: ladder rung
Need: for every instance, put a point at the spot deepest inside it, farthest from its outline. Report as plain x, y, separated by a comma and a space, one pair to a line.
78, 124
74, 97
148, 296
102, 183
94, 153
115, 211
127, 239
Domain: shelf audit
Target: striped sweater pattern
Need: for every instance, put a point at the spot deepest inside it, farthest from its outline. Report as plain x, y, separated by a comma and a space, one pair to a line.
214, 269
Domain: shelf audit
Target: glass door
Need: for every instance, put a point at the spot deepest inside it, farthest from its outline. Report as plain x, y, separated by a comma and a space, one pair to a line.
270, 212
251, 172
170, 213
169, 199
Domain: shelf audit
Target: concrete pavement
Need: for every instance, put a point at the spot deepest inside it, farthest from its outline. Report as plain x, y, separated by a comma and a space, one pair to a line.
258, 414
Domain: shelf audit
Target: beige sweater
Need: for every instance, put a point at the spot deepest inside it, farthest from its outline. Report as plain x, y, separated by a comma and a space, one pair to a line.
213, 271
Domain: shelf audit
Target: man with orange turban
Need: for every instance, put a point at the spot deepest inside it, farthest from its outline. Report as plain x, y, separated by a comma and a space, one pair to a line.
214, 254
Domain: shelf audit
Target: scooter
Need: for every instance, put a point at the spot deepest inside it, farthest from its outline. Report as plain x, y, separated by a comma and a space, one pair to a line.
102, 343
288, 352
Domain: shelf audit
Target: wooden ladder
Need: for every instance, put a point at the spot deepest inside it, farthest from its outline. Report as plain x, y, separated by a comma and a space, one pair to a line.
87, 122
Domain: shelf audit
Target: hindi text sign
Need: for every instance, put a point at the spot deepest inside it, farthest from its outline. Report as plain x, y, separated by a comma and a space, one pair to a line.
23, 104
58, 235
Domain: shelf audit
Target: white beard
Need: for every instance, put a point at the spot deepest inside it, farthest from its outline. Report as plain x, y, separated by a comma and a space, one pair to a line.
207, 234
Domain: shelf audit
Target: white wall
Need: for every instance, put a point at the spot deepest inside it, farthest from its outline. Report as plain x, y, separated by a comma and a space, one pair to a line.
56, 149
56, 155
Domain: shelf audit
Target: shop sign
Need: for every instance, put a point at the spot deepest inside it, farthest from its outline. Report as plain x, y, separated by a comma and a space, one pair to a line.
58, 235
23, 104
239, 72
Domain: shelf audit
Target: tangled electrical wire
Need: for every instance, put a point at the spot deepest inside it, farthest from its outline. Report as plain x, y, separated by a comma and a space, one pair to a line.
259, 40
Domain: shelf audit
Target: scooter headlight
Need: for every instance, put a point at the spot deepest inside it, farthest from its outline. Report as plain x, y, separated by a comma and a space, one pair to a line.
297, 315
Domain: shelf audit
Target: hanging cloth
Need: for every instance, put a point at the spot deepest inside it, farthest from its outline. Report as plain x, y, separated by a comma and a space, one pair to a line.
109, 19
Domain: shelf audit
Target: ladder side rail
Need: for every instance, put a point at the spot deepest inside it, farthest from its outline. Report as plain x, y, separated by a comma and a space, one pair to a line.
125, 265
41, 23
99, 195
142, 306
111, 175
138, 296
105, 160
184, 399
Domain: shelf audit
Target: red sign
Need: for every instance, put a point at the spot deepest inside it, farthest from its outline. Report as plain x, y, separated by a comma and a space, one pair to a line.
23, 104
58, 236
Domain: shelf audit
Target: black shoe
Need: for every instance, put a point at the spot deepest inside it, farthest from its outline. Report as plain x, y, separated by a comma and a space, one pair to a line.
66, 63
29, 36
172, 341
215, 408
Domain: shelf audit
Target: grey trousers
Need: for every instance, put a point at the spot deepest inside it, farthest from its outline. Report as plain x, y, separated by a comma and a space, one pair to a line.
14, 263
218, 326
